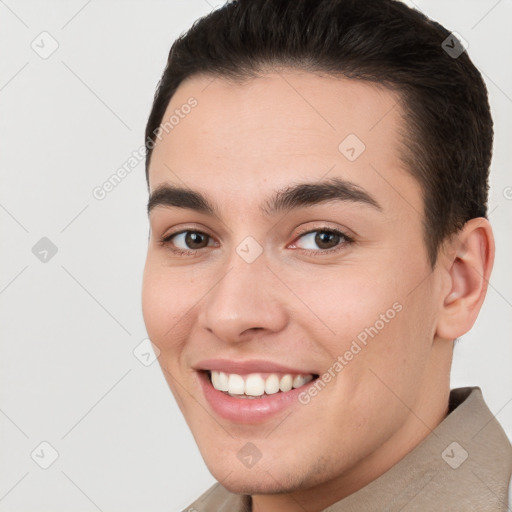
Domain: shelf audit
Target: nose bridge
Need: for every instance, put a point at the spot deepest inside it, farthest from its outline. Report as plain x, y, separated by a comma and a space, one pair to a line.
243, 298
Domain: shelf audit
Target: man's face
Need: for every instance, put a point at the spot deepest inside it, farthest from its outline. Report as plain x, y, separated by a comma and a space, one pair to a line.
278, 293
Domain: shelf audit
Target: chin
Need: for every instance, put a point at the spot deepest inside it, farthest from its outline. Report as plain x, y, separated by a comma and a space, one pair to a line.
256, 484
258, 480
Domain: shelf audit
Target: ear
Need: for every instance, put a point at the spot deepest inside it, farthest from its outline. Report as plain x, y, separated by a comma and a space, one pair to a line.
467, 261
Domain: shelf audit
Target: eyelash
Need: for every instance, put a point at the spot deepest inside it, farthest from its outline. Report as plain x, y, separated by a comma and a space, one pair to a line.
346, 240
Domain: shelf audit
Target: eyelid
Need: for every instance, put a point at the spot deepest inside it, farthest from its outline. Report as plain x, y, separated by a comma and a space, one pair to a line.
196, 228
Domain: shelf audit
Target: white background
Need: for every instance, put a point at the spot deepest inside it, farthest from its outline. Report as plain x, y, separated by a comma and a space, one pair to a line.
69, 326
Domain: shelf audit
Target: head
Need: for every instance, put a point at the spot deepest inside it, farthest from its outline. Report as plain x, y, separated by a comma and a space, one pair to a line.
318, 208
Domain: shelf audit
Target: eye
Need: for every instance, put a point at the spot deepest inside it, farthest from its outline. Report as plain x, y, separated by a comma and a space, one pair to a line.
324, 240
320, 241
187, 241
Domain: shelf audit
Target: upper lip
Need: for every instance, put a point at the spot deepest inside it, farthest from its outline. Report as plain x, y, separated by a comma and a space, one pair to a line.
249, 366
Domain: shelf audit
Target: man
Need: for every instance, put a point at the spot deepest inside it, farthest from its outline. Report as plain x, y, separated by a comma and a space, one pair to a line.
318, 196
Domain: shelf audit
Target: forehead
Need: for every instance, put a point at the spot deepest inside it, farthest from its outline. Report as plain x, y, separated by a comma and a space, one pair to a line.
280, 127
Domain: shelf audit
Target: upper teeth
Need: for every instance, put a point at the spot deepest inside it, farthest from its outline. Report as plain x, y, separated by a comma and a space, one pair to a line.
255, 384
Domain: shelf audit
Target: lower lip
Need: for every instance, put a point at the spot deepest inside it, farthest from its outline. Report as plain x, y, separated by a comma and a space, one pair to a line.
247, 410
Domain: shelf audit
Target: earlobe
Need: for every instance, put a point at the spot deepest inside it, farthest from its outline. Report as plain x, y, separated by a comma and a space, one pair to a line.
468, 272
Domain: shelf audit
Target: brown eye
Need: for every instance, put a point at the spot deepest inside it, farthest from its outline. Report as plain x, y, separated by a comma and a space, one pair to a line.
327, 239
187, 240
322, 240
196, 240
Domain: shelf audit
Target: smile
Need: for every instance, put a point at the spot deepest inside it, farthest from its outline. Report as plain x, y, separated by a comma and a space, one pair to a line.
251, 392
256, 385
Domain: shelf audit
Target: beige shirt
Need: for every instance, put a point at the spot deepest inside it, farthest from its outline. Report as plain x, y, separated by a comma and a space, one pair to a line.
464, 464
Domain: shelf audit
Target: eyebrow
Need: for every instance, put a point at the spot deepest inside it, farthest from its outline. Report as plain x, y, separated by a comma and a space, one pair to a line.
291, 197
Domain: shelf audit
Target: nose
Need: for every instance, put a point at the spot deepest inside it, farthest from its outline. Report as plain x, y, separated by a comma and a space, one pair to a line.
245, 300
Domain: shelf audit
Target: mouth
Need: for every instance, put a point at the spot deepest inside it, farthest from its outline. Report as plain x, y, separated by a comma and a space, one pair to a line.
252, 397
257, 385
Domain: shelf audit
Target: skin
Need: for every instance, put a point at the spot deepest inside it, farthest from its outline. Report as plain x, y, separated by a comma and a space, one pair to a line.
240, 144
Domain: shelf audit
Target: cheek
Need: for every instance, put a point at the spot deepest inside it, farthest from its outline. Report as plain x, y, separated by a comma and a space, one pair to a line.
392, 329
347, 300
166, 304
369, 316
